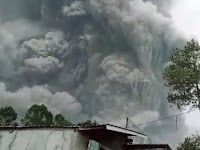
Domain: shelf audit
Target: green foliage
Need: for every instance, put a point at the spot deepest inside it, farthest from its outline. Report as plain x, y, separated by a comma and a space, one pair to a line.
60, 121
7, 116
88, 123
38, 115
183, 76
190, 143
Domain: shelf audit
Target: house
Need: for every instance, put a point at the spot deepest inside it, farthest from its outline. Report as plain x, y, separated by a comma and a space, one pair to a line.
100, 137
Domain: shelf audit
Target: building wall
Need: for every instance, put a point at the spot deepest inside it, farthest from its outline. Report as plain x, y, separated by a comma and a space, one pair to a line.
42, 139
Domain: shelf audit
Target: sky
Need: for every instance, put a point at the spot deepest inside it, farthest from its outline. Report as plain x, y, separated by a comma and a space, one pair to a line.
186, 15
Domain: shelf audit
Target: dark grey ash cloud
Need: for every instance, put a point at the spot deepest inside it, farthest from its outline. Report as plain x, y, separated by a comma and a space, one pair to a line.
99, 58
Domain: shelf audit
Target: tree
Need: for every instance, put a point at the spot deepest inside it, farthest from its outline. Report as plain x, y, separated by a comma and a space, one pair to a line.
88, 123
61, 121
183, 76
7, 116
38, 115
190, 143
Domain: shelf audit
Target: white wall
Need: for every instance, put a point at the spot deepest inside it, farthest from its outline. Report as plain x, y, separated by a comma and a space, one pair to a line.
42, 139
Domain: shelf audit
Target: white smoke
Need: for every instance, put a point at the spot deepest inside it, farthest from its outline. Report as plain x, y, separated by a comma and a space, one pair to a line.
53, 43
8, 45
22, 29
41, 64
75, 9
10, 38
59, 102
116, 69
44, 53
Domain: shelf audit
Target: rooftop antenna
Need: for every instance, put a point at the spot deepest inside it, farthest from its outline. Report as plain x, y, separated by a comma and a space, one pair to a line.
176, 122
126, 123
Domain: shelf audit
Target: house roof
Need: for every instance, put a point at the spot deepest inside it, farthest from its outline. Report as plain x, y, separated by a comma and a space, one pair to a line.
148, 146
101, 129
114, 128
107, 127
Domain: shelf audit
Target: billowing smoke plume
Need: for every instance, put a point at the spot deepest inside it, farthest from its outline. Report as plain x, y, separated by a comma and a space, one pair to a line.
101, 59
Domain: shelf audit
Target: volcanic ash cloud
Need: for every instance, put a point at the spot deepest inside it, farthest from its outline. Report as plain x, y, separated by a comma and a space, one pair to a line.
101, 59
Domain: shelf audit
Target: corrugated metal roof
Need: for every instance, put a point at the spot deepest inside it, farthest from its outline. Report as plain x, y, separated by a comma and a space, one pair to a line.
40, 126
80, 128
113, 128
148, 146
106, 127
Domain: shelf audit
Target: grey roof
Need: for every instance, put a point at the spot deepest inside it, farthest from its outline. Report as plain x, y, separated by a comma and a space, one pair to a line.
80, 128
148, 146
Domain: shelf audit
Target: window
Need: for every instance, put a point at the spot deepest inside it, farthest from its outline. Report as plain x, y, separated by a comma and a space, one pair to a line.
93, 145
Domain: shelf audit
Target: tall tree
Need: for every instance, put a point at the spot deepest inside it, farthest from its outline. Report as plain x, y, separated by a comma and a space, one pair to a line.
7, 116
61, 121
190, 143
38, 115
183, 76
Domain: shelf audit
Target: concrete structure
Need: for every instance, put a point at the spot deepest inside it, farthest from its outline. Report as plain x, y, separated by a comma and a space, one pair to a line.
101, 137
